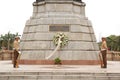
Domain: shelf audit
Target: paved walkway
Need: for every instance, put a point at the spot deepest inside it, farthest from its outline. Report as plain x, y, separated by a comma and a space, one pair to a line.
113, 67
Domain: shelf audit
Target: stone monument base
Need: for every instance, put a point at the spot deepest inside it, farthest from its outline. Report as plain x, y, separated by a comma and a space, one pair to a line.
59, 16
64, 62
63, 72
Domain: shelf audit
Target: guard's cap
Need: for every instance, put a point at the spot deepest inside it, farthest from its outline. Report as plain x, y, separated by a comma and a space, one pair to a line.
17, 37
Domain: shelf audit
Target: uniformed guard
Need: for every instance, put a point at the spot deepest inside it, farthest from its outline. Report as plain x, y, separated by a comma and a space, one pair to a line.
16, 52
104, 52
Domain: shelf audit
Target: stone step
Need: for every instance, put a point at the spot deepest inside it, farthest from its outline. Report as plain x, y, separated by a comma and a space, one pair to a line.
58, 76
60, 73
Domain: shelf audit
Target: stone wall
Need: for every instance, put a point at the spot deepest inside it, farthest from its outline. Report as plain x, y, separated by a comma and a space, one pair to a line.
6, 55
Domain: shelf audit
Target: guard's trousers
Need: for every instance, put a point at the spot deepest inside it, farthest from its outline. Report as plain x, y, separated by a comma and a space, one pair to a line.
104, 56
16, 54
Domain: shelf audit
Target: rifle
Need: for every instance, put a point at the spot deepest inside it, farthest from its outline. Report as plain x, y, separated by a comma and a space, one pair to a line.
18, 58
101, 60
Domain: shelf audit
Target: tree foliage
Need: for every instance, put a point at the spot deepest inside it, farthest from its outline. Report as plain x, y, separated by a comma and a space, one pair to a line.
6, 40
113, 42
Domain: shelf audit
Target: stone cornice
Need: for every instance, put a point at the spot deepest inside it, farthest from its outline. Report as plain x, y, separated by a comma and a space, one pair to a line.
60, 2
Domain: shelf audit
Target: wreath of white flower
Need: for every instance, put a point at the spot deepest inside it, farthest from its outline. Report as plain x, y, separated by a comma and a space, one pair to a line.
64, 39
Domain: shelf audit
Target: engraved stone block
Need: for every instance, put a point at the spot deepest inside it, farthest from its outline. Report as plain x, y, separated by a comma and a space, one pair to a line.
67, 7
60, 7
82, 11
58, 21
41, 8
33, 55
36, 45
42, 28
66, 55
41, 15
79, 28
28, 36
48, 52
76, 9
51, 7
4, 77
91, 30
96, 47
89, 23
31, 29
28, 22
72, 21
35, 9
82, 55
84, 22
33, 22
45, 21
26, 29
45, 78
93, 37
80, 45
79, 36
43, 36
62, 28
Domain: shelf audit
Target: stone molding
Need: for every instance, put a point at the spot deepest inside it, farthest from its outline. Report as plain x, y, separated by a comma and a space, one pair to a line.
59, 1
64, 62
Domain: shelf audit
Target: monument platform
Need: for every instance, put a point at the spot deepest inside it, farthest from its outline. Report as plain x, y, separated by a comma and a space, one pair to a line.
63, 72
52, 18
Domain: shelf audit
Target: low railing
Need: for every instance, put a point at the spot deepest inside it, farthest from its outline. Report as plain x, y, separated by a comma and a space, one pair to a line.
6, 54
113, 55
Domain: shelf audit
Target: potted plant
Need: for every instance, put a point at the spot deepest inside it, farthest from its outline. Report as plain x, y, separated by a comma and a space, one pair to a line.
57, 61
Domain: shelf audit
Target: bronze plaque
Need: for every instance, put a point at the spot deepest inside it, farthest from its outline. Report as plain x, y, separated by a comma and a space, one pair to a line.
59, 28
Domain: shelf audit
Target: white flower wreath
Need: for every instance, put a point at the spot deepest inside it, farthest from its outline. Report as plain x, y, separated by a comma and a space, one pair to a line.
63, 39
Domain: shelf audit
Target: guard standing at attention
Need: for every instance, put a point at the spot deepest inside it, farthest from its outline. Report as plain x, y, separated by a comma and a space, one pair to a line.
104, 52
16, 53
